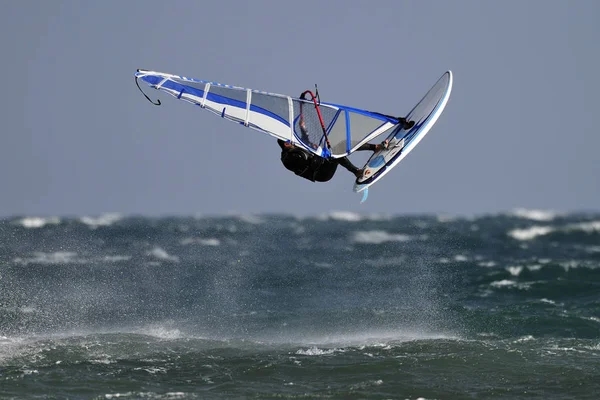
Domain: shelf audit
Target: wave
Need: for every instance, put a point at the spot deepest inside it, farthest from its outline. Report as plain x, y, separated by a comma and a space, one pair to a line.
315, 351
162, 255
149, 395
507, 283
67, 257
542, 230
588, 227
59, 257
159, 331
37, 222
378, 237
103, 220
251, 219
348, 216
200, 241
535, 215
531, 232
548, 301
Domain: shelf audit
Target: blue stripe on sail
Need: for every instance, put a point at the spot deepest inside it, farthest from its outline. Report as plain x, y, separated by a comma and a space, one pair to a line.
152, 79
268, 113
169, 84
348, 136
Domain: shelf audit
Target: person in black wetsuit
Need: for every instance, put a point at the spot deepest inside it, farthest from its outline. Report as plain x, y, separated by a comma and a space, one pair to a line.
314, 168
318, 169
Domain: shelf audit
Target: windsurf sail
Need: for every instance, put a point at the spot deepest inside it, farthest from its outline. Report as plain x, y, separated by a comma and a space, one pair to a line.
325, 129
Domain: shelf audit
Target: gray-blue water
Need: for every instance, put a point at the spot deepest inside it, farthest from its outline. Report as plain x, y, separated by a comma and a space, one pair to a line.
341, 306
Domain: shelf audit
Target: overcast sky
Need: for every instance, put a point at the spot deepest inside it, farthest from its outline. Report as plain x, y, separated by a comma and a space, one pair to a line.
520, 128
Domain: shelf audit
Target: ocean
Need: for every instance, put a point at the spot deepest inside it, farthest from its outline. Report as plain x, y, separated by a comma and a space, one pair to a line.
334, 306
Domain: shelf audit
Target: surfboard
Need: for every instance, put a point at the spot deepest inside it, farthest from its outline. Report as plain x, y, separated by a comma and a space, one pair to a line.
402, 140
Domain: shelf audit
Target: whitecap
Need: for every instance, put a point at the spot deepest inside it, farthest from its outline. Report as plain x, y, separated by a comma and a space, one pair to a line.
567, 265
539, 230
117, 395
487, 264
161, 254
59, 257
152, 370
588, 227
102, 361
534, 267
515, 271
531, 232
103, 220
506, 283
38, 222
30, 371
535, 215
116, 258
343, 216
525, 339
315, 351
378, 237
381, 339
201, 241
160, 332
503, 283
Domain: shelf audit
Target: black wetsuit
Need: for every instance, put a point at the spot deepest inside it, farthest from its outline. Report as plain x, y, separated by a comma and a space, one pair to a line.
312, 167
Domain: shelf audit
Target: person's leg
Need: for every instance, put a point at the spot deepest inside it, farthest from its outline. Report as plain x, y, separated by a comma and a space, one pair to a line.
368, 146
344, 162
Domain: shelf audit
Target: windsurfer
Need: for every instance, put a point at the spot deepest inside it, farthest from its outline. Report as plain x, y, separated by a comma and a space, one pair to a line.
319, 169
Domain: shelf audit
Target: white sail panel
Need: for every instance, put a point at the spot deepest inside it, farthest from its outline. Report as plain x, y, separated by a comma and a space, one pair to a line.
268, 113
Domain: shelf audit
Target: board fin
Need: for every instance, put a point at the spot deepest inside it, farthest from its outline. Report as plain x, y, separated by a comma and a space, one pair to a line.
365, 195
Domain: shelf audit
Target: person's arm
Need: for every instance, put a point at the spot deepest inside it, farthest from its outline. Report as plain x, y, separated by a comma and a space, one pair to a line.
304, 131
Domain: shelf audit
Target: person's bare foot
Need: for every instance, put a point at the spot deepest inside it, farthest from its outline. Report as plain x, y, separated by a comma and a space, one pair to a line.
383, 145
